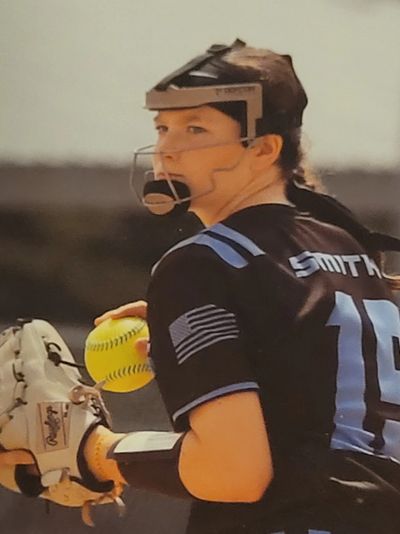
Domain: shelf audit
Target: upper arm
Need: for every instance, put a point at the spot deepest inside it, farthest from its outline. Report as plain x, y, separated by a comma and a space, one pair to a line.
231, 440
231, 422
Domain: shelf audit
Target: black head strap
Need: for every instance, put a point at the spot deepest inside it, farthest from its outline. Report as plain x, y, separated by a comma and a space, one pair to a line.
384, 242
215, 50
327, 209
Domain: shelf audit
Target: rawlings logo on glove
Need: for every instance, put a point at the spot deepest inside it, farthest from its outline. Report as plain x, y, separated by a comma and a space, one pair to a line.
47, 410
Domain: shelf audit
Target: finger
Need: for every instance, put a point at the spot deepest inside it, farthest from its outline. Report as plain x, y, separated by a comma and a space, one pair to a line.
16, 457
101, 318
142, 345
132, 309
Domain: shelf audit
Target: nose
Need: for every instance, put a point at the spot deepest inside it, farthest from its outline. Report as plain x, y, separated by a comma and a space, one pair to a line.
163, 163
170, 143
163, 160
166, 150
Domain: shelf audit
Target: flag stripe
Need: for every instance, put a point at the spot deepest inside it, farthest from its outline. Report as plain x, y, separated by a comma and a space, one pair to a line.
213, 315
214, 337
204, 346
195, 314
202, 308
204, 332
206, 310
212, 321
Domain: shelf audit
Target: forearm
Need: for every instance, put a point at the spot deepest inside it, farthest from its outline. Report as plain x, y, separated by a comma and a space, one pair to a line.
114, 457
108, 458
183, 465
189, 468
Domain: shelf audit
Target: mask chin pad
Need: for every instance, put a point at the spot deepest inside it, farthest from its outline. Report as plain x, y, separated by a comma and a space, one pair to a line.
160, 199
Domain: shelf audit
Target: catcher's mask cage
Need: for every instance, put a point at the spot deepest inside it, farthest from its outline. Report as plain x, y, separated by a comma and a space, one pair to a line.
209, 80
170, 195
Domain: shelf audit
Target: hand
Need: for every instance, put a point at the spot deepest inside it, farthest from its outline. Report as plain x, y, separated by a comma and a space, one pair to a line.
132, 309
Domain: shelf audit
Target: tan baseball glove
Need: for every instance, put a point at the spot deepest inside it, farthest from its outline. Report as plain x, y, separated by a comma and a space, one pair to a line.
47, 410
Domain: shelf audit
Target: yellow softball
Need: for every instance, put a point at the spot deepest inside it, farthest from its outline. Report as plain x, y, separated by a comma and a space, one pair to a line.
111, 356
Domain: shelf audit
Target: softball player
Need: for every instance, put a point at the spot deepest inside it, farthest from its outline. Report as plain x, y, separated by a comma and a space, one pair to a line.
274, 333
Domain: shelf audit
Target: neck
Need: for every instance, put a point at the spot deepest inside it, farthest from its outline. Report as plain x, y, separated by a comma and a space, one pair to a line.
256, 193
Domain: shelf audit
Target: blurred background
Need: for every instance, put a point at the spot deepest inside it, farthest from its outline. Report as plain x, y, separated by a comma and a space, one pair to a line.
73, 239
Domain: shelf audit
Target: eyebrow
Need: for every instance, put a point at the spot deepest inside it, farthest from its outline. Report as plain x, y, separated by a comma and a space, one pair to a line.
189, 118
194, 117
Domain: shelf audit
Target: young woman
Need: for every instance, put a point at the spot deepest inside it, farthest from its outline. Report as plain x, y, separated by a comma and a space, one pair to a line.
274, 333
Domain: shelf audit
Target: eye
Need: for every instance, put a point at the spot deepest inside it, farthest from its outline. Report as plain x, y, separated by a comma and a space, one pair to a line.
161, 128
196, 129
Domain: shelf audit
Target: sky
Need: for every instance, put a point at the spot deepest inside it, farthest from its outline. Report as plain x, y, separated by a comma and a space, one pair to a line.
73, 74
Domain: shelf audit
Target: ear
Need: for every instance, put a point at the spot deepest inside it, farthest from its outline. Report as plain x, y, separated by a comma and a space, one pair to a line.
266, 151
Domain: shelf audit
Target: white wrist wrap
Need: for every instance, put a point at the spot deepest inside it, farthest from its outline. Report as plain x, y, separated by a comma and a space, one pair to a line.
150, 461
145, 442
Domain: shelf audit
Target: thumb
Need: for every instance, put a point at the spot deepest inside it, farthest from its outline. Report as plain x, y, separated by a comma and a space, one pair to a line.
142, 345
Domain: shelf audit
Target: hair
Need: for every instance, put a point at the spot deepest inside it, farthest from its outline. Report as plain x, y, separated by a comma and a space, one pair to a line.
282, 90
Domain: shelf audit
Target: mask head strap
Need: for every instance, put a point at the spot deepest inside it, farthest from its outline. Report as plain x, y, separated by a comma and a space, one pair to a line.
215, 50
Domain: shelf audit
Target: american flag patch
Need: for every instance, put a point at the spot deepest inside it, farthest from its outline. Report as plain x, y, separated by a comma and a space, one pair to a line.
200, 328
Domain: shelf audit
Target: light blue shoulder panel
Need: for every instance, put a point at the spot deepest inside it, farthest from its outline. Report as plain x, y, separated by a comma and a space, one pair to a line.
239, 238
227, 253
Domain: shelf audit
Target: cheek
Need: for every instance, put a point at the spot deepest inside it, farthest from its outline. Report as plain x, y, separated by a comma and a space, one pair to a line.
222, 157
195, 163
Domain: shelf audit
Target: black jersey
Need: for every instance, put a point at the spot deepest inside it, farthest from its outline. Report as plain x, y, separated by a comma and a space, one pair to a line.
274, 301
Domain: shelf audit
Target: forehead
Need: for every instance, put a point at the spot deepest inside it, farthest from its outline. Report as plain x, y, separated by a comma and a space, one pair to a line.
184, 115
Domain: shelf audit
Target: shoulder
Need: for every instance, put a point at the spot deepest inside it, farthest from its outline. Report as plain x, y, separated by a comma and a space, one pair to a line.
220, 245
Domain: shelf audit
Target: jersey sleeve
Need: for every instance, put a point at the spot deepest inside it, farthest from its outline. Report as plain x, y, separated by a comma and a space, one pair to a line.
195, 334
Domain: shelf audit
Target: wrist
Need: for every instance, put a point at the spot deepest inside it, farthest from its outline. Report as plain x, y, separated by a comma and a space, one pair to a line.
97, 446
149, 460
